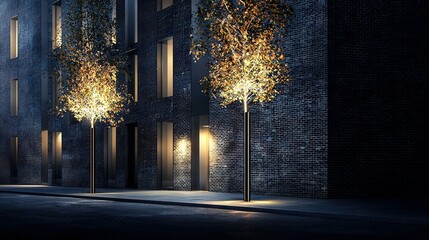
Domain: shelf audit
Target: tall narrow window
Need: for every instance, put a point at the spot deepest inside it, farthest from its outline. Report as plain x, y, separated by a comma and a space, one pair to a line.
14, 97
165, 154
165, 69
56, 88
131, 22
14, 37
14, 157
56, 25
110, 153
163, 4
136, 78
133, 81
114, 40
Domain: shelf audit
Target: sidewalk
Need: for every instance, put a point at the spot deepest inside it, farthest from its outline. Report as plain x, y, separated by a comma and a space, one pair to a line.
389, 210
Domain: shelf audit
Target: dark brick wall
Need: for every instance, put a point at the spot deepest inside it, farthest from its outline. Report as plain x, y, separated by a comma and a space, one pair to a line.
378, 105
155, 26
25, 68
7, 10
289, 135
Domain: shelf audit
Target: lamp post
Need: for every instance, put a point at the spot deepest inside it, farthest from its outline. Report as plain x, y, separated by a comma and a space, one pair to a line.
92, 159
246, 164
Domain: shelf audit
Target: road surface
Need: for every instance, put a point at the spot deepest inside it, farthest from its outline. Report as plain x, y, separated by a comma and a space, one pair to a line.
40, 217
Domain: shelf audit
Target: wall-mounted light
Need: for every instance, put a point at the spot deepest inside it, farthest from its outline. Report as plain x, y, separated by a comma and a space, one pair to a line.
183, 149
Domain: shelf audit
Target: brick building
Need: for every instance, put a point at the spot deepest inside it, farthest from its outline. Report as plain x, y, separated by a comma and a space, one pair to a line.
351, 123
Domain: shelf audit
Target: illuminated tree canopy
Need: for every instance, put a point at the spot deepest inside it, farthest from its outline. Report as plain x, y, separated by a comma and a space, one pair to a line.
245, 42
87, 64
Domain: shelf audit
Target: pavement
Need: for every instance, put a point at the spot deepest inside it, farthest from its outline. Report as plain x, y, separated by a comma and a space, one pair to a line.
406, 211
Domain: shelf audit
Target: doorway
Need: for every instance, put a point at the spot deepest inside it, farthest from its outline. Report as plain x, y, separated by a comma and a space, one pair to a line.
165, 155
44, 167
110, 156
14, 159
200, 152
57, 155
132, 150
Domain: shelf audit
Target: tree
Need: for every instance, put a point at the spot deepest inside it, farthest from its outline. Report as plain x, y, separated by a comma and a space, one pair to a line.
245, 44
87, 64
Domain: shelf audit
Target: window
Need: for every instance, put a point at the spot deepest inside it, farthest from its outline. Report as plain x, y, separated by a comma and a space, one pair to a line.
133, 81
14, 157
56, 88
165, 154
56, 25
136, 78
14, 97
114, 40
131, 22
163, 4
110, 152
165, 69
14, 37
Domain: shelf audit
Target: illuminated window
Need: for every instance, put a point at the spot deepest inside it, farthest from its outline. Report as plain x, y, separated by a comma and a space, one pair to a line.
45, 149
14, 157
110, 152
14, 97
165, 154
165, 69
163, 4
57, 156
14, 37
131, 22
56, 25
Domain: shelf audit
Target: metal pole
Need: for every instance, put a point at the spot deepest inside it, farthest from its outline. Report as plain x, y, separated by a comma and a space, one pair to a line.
246, 174
91, 163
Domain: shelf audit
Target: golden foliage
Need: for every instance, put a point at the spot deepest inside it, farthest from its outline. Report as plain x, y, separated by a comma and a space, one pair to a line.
245, 41
93, 94
89, 62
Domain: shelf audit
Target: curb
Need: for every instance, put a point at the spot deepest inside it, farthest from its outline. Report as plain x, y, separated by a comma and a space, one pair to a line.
297, 213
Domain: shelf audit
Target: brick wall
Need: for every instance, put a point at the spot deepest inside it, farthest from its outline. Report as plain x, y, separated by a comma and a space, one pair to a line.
288, 135
155, 26
25, 68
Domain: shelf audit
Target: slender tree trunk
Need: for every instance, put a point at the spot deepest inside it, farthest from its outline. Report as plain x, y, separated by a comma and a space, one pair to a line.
92, 160
247, 180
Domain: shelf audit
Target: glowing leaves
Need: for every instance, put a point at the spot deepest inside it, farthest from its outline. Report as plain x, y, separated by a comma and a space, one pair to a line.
89, 63
93, 94
245, 42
